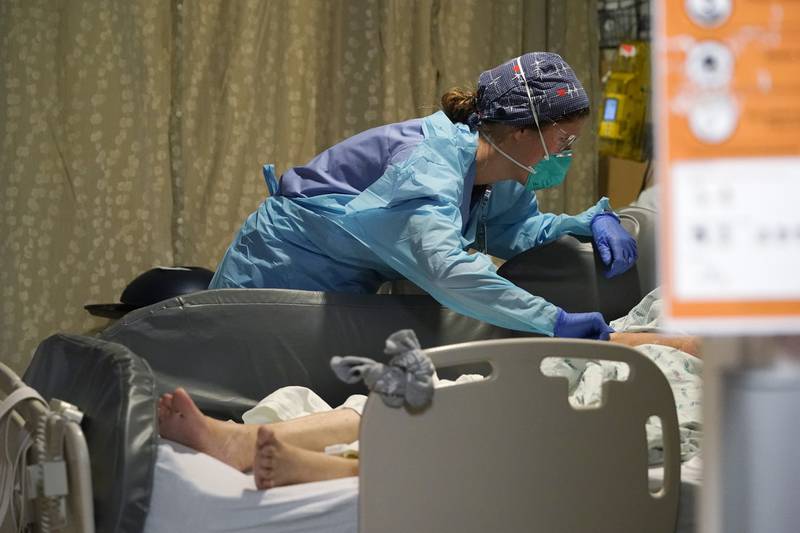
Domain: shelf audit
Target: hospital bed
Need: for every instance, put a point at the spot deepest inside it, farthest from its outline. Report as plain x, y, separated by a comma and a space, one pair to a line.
45, 477
502, 454
230, 348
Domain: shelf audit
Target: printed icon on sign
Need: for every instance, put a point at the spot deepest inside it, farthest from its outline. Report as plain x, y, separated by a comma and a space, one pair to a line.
708, 13
710, 64
713, 119
700, 233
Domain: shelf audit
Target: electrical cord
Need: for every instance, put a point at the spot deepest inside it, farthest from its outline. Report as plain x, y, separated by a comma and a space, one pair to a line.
13, 472
9, 472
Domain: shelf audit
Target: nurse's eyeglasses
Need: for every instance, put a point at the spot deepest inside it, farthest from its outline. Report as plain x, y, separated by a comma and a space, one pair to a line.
566, 139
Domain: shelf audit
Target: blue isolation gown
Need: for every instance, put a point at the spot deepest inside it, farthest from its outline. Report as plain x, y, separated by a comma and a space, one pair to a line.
392, 202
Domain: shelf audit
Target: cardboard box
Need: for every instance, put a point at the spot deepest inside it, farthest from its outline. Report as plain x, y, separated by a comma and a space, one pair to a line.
621, 180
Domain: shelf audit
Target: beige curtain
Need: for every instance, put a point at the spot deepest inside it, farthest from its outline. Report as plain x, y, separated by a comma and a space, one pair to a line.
133, 133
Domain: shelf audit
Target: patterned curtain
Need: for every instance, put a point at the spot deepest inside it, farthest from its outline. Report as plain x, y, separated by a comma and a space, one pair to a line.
133, 133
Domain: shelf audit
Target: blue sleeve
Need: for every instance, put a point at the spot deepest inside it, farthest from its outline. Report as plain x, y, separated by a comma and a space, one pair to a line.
515, 224
411, 220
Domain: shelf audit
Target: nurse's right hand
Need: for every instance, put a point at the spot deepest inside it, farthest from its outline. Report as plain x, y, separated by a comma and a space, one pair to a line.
582, 326
616, 247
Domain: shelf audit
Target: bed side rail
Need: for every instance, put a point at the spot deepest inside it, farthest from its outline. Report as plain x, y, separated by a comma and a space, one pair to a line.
48, 484
509, 453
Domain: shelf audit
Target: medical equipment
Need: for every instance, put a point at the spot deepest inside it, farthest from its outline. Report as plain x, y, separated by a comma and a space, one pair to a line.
493, 440
115, 390
44, 467
622, 20
543, 464
625, 101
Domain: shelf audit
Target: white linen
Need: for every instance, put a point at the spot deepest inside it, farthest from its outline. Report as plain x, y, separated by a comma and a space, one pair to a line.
682, 370
292, 402
194, 492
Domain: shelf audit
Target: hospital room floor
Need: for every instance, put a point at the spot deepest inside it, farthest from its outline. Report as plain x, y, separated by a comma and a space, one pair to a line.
221, 498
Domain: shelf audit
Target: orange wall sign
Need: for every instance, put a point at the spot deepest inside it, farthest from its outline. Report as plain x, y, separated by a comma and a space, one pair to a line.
727, 108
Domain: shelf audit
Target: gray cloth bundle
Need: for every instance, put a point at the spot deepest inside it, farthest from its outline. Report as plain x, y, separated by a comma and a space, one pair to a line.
406, 378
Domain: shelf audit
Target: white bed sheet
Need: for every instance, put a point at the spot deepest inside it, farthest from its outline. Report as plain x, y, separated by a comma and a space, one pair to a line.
193, 492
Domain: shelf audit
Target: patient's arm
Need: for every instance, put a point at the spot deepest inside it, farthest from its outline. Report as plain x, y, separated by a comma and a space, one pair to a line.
691, 345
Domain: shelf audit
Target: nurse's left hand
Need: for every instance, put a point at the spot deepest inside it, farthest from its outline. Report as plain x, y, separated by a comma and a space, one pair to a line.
616, 247
581, 326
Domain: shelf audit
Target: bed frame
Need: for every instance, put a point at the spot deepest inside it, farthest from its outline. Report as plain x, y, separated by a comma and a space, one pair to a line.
54, 491
510, 454
229, 348
505, 454
114, 388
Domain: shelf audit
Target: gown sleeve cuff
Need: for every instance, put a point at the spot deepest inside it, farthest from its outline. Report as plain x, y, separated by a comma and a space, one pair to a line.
583, 221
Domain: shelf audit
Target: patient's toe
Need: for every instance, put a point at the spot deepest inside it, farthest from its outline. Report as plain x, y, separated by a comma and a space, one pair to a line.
264, 481
165, 401
263, 469
265, 436
264, 461
180, 419
183, 404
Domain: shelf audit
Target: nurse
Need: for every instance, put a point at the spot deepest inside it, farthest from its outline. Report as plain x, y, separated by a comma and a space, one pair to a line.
409, 199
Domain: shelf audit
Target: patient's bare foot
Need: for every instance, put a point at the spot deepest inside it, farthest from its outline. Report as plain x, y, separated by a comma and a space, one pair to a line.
278, 463
179, 419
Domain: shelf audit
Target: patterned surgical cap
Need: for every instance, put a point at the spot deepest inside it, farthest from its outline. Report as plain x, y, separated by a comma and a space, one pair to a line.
555, 90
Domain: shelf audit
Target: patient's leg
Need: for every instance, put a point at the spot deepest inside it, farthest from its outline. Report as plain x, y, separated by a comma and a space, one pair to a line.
279, 463
319, 430
235, 444
179, 419
688, 344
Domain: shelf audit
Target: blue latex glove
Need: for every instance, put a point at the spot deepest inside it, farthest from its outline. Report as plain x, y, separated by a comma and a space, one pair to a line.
616, 247
582, 326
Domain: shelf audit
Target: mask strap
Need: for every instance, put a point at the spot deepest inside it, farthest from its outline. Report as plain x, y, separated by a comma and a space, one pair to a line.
520, 165
533, 108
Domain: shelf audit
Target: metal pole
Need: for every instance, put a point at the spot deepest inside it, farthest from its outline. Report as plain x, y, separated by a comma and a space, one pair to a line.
751, 455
